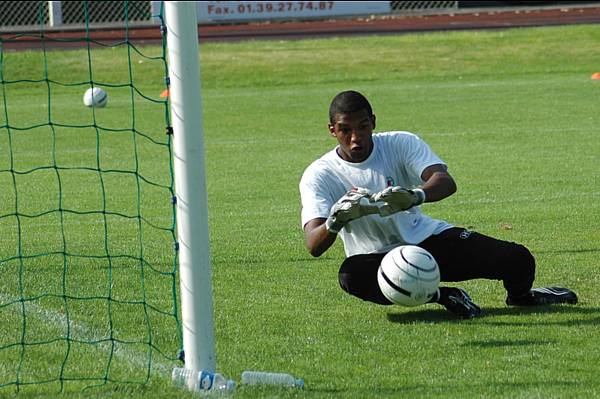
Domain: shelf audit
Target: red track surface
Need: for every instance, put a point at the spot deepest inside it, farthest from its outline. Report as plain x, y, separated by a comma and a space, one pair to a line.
488, 19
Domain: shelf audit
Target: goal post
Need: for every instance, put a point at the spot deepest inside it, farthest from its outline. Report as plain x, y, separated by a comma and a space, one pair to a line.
190, 186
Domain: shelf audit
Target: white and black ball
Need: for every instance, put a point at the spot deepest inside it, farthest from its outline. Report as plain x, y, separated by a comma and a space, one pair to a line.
408, 275
95, 97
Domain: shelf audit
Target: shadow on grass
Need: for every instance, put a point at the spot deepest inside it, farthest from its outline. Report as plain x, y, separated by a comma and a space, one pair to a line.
569, 251
577, 315
426, 316
490, 316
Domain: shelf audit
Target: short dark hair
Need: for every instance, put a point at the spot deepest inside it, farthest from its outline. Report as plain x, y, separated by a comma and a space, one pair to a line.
347, 102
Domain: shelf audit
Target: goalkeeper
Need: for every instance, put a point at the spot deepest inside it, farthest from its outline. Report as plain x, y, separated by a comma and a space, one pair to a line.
368, 189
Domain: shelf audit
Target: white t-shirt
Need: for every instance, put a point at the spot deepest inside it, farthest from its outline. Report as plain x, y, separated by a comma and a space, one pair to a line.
397, 159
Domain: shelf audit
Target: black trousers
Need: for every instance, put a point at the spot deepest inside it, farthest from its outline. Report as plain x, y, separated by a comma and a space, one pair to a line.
461, 255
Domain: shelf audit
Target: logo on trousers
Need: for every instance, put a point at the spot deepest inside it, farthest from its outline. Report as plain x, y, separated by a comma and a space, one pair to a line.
465, 234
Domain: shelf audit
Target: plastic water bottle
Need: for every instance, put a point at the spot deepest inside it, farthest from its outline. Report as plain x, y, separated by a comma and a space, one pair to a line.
201, 381
265, 378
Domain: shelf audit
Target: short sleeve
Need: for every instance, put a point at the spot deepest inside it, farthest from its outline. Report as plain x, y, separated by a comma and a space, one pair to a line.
316, 201
417, 156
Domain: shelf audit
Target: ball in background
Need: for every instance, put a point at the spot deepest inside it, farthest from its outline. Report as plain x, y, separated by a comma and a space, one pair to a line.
408, 275
95, 97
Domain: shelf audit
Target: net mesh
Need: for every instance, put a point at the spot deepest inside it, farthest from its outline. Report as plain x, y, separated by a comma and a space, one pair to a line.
420, 6
105, 12
88, 292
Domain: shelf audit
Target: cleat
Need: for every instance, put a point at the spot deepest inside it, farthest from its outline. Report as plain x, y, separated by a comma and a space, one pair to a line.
458, 302
544, 296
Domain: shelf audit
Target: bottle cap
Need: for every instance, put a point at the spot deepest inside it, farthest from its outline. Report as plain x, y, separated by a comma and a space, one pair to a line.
230, 385
299, 383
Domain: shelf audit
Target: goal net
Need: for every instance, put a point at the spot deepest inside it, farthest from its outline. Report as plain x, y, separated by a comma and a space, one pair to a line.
88, 278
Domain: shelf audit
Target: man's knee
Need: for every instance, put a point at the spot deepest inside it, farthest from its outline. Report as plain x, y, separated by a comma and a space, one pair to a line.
345, 280
521, 270
351, 277
524, 259
358, 277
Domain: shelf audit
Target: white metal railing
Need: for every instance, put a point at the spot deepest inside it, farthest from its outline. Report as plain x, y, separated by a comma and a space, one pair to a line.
25, 15
18, 15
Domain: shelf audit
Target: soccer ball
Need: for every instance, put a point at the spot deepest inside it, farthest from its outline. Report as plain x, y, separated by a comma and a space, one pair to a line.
408, 275
95, 97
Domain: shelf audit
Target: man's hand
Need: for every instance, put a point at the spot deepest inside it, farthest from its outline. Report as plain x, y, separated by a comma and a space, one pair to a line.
352, 205
397, 199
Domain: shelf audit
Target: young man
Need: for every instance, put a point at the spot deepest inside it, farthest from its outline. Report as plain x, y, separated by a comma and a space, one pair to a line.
368, 190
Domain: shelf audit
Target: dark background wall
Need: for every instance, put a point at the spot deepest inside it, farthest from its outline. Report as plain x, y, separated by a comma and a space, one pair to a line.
481, 4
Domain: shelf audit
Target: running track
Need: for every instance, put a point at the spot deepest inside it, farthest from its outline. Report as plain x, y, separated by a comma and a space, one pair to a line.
384, 25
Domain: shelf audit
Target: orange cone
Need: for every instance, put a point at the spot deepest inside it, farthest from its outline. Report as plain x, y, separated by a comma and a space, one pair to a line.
165, 93
596, 76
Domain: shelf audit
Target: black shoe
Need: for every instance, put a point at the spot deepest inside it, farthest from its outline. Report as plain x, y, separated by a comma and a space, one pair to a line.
544, 296
457, 301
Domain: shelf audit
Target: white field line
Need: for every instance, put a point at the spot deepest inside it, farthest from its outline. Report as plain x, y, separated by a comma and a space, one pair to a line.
58, 321
519, 199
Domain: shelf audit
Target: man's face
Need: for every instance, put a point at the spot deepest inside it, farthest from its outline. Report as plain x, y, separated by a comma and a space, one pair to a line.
354, 133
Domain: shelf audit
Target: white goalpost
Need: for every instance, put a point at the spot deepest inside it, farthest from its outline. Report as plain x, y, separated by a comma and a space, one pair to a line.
190, 187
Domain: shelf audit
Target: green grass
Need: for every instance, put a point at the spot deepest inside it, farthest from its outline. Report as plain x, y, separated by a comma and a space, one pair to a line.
514, 114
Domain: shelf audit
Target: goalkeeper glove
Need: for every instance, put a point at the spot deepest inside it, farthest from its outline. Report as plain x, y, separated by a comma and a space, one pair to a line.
352, 205
397, 199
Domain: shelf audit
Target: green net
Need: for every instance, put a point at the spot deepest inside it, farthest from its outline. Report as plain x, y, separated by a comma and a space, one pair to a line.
87, 218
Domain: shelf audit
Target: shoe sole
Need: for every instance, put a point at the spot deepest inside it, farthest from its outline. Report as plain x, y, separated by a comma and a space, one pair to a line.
551, 296
568, 297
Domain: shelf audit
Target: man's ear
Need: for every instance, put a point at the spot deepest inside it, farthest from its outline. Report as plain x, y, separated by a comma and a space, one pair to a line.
331, 129
373, 121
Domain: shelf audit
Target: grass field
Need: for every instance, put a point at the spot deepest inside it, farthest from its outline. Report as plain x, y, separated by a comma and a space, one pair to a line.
513, 113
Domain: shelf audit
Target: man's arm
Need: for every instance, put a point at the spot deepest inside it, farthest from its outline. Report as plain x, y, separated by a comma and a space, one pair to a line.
318, 238
439, 184
320, 232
